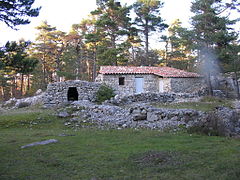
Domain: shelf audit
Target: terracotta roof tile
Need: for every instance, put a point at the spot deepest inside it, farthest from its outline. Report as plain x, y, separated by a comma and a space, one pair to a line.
159, 71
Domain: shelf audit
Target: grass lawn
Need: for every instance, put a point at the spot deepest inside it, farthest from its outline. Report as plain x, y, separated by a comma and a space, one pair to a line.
205, 104
109, 154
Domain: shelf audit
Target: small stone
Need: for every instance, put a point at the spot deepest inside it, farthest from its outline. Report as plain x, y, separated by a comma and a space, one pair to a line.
124, 125
39, 91
63, 114
63, 135
74, 119
144, 111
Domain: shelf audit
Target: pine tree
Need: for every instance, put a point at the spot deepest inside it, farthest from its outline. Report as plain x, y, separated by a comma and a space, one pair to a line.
213, 35
16, 61
148, 20
48, 48
180, 53
112, 25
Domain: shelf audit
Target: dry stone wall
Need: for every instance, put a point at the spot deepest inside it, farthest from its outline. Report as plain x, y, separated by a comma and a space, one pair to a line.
224, 120
57, 93
153, 97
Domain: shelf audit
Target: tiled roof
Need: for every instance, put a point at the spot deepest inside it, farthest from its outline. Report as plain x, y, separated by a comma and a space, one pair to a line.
159, 71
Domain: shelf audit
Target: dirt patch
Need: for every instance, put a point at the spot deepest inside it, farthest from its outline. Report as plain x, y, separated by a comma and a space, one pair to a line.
156, 158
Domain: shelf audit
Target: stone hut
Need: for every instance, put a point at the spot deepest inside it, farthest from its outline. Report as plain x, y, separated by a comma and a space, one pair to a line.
68, 91
131, 80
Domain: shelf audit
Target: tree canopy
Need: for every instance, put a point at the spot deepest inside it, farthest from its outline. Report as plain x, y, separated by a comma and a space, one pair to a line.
17, 12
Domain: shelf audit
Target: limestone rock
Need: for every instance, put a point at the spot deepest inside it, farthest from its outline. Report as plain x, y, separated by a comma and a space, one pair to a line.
40, 143
63, 114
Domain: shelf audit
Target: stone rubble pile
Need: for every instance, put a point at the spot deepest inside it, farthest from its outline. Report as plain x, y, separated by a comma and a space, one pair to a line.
24, 102
162, 118
146, 116
102, 115
227, 121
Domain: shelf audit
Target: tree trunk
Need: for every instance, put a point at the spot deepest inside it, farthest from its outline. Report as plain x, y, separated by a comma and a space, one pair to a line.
28, 83
79, 59
166, 52
133, 54
89, 71
210, 89
22, 84
44, 73
94, 69
113, 39
1, 94
58, 62
146, 43
57, 69
236, 78
14, 86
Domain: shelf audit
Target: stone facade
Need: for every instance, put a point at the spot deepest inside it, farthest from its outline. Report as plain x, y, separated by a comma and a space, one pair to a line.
151, 83
58, 93
186, 85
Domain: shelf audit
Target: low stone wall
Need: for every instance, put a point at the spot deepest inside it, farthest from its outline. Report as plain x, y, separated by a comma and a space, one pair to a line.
162, 118
224, 121
152, 97
57, 93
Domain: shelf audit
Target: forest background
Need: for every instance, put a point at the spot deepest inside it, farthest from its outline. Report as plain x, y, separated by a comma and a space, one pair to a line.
117, 34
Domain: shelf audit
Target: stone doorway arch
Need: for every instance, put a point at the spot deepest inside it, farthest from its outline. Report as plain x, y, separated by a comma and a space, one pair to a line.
72, 94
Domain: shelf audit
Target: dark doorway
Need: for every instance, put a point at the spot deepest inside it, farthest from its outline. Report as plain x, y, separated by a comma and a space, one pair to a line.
72, 94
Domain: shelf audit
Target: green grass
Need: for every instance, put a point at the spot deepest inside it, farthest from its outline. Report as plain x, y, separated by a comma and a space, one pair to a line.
206, 104
109, 154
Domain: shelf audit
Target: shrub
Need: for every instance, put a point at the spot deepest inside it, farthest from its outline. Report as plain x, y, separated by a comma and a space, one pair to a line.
214, 126
104, 93
23, 104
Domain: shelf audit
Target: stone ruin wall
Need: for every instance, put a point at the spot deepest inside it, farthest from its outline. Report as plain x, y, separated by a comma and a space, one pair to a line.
57, 93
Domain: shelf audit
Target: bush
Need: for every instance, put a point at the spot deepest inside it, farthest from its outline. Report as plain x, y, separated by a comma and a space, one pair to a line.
104, 93
23, 104
214, 126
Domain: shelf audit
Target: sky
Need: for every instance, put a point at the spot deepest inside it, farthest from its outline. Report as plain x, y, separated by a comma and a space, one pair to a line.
63, 13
